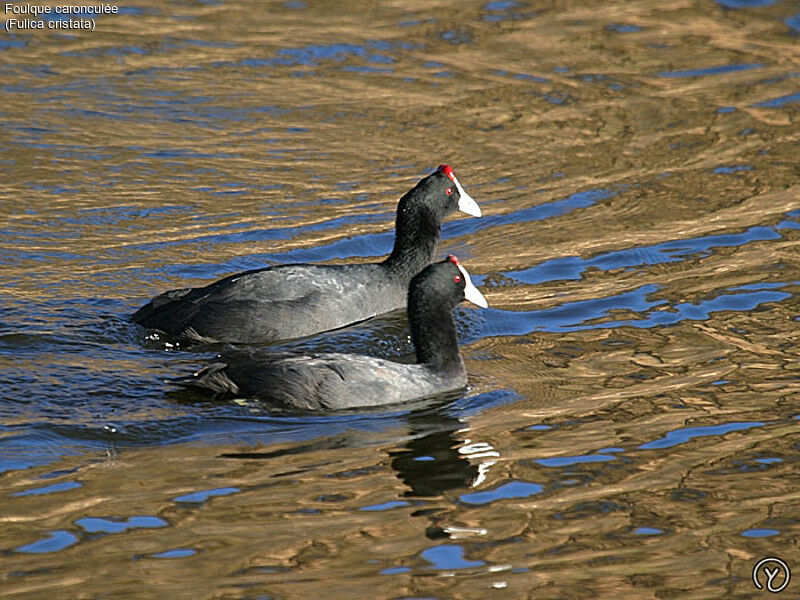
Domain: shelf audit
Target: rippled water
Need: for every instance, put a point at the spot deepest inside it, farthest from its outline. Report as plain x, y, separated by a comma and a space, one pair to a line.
631, 427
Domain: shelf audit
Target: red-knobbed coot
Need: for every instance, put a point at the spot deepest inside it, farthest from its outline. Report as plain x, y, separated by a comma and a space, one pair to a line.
336, 381
295, 300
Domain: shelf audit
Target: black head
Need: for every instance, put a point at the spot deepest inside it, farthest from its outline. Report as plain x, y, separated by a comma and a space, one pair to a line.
419, 220
445, 283
436, 196
432, 295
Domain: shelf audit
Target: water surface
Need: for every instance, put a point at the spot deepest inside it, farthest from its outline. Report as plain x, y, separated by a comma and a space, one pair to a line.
631, 425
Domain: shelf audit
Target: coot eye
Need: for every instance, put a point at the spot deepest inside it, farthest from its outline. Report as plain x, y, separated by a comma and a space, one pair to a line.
457, 278
449, 191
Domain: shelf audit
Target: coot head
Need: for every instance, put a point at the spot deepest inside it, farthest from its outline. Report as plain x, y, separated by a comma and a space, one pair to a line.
420, 213
438, 195
463, 201
432, 295
445, 283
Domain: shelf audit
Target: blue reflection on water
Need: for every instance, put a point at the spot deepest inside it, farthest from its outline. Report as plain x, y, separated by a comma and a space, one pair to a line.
313, 55
623, 28
512, 489
449, 556
728, 170
58, 540
206, 494
500, 5
175, 553
737, 4
565, 461
29, 449
12, 41
385, 506
572, 267
718, 70
539, 212
760, 533
367, 69
56, 487
395, 570
97, 525
521, 76
681, 436
780, 101
647, 531
471, 404
585, 314
570, 316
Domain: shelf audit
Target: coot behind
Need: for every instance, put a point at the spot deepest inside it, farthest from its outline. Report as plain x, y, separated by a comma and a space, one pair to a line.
295, 300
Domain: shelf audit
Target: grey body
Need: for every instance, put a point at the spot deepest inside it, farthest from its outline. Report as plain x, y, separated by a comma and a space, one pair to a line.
323, 381
290, 301
334, 381
276, 303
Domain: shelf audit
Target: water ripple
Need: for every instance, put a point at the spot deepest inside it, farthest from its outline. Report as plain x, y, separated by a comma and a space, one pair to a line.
682, 436
573, 267
58, 540
718, 70
591, 314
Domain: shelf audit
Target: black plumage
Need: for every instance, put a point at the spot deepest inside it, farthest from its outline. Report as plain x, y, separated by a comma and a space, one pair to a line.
295, 300
335, 380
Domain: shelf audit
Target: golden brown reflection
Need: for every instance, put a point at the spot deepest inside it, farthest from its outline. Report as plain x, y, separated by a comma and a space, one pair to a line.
182, 142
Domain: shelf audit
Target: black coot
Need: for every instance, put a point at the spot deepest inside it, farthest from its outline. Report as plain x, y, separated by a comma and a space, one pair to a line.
295, 300
335, 381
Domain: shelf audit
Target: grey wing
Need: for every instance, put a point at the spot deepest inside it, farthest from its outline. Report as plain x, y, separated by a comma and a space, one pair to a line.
322, 381
285, 379
230, 304
340, 381
275, 284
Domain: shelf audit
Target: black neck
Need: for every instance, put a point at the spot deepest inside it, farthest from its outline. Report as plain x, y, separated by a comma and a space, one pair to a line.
416, 236
433, 333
